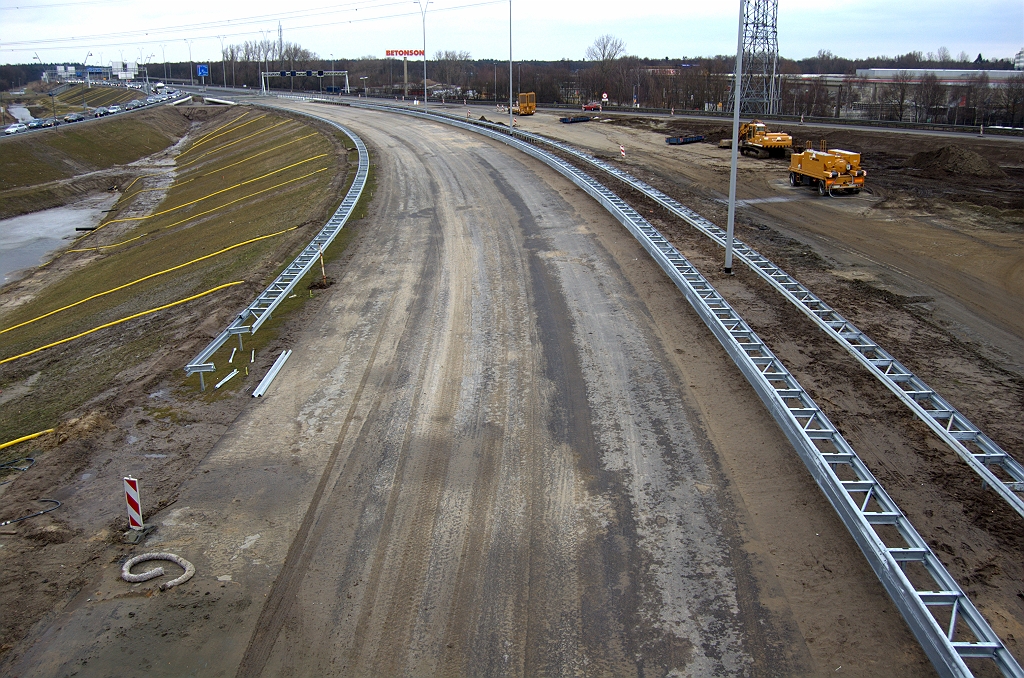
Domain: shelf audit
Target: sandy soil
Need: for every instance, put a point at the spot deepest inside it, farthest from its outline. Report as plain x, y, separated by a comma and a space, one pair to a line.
505, 444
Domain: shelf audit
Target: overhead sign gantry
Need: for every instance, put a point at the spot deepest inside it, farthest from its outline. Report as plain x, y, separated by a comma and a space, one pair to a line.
265, 77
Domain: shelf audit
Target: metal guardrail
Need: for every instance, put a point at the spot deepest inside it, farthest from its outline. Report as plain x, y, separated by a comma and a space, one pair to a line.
945, 622
259, 311
935, 411
941, 417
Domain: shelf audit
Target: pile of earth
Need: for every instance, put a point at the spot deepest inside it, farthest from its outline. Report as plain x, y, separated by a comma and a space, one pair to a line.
954, 160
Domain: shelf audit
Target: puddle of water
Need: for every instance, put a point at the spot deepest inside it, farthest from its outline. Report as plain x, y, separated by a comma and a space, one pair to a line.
29, 240
20, 112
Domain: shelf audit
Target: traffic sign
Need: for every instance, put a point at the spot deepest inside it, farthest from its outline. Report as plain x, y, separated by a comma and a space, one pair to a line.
309, 74
202, 70
284, 74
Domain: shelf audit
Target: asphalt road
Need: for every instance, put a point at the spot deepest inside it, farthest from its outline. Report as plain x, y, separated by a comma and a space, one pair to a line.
506, 446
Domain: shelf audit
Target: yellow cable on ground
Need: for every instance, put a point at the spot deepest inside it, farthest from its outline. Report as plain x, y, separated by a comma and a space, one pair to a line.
221, 169
233, 129
102, 247
232, 143
205, 197
194, 216
121, 320
148, 277
245, 197
24, 438
227, 124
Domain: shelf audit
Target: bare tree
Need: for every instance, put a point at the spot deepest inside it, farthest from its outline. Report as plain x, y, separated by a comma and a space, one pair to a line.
928, 94
604, 52
944, 56
897, 93
605, 49
1013, 100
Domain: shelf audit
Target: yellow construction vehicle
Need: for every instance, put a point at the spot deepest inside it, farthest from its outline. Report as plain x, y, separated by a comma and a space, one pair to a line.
828, 171
527, 104
756, 140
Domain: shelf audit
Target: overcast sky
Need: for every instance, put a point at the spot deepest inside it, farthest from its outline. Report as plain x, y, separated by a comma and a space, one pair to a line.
64, 31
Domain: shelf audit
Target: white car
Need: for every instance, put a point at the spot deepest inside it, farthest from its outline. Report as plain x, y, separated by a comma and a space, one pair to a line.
15, 128
114, 109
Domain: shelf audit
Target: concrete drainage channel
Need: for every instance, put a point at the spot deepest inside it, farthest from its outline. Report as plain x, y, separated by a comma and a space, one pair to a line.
255, 314
945, 622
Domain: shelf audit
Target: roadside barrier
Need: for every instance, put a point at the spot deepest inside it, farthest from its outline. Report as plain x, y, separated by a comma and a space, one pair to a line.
260, 310
941, 616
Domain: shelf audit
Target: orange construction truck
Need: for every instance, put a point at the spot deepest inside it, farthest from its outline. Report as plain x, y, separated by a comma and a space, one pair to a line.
828, 171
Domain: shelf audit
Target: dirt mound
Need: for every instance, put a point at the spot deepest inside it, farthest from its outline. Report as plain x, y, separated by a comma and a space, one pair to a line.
955, 160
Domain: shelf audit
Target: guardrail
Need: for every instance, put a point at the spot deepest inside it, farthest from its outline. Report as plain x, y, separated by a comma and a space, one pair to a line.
259, 311
955, 429
928, 597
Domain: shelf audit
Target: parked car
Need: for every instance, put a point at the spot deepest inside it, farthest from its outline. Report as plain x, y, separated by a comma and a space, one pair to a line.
100, 112
74, 117
592, 106
15, 128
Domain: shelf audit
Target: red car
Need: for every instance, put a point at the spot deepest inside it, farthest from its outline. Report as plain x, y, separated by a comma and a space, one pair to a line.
592, 106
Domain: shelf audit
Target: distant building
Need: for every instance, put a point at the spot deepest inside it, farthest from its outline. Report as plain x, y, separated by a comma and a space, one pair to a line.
1018, 61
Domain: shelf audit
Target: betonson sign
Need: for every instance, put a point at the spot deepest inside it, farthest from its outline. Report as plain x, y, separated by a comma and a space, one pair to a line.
404, 52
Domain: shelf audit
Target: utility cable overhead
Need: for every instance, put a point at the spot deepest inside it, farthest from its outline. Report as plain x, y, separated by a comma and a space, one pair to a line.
65, 43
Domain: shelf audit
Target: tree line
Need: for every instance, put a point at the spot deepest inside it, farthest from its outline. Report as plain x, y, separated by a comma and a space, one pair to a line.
699, 83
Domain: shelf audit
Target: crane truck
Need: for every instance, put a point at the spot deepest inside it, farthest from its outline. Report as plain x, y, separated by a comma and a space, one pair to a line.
828, 171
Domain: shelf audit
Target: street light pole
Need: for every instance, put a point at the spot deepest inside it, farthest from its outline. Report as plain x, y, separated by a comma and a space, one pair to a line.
85, 66
332, 75
736, 102
163, 54
510, 66
191, 68
223, 67
423, 13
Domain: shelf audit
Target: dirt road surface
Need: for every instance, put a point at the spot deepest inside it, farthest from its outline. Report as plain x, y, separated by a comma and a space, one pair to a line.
955, 244
506, 446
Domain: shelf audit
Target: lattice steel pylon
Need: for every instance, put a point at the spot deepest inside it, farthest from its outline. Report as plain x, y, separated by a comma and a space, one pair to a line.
760, 86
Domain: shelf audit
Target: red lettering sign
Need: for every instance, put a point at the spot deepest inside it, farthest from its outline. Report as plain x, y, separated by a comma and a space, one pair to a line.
404, 52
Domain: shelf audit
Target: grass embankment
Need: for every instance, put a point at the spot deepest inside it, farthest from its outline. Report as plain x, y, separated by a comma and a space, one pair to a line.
40, 105
250, 174
31, 165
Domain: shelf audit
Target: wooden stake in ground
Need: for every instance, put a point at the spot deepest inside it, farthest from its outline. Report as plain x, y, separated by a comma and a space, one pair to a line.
322, 271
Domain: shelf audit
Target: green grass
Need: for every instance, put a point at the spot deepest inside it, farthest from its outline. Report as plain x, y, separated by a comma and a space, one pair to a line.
70, 150
91, 363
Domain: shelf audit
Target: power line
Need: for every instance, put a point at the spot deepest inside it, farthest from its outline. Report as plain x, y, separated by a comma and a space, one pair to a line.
74, 42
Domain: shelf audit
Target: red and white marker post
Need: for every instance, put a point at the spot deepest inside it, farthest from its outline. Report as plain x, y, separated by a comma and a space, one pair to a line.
622, 150
131, 495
